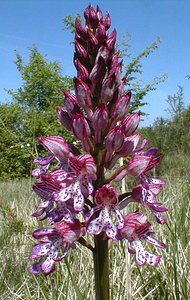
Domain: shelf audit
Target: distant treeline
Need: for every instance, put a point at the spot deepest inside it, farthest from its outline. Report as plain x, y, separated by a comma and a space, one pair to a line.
31, 113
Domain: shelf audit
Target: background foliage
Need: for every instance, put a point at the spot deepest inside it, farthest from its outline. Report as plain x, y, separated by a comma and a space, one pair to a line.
31, 112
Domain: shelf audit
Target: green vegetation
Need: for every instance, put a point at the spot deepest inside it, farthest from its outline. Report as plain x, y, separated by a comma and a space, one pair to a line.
172, 137
170, 280
31, 112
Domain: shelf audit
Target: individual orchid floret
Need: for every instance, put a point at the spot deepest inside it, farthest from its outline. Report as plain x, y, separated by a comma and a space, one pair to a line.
92, 45
148, 197
135, 167
91, 17
51, 240
56, 145
128, 148
99, 121
44, 163
107, 21
83, 173
113, 141
144, 174
101, 33
81, 30
106, 200
70, 103
64, 117
83, 97
81, 52
108, 89
120, 107
130, 123
98, 72
82, 72
136, 228
45, 189
61, 211
81, 130
83, 165
111, 40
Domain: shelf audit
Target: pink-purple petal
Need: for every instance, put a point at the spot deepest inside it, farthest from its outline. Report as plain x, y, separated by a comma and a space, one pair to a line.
48, 265
41, 249
119, 218
155, 242
140, 257
152, 259
36, 268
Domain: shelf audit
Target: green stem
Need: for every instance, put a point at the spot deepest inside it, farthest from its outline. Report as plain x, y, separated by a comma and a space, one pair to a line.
101, 268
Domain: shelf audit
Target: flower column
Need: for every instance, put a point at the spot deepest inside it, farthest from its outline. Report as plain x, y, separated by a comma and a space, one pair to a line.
95, 56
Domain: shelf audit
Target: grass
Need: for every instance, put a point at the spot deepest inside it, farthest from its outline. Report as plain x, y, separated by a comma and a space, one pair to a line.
170, 280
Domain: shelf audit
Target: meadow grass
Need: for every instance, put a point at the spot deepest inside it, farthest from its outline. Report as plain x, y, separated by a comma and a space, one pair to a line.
170, 280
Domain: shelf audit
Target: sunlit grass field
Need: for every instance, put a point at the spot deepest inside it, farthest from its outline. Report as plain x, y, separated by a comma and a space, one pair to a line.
170, 280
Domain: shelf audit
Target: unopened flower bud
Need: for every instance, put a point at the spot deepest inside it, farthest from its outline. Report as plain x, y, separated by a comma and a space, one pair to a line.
82, 72
101, 33
81, 31
107, 21
107, 90
80, 126
117, 74
64, 117
111, 40
83, 92
98, 72
121, 106
81, 129
99, 14
70, 103
91, 17
113, 141
92, 43
81, 52
99, 121
120, 89
56, 145
104, 53
128, 147
130, 123
114, 60
135, 167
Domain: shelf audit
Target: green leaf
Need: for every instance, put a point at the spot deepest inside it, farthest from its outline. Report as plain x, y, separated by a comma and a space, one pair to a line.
78, 293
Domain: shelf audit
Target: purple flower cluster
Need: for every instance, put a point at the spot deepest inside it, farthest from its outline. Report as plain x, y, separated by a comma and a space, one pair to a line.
78, 196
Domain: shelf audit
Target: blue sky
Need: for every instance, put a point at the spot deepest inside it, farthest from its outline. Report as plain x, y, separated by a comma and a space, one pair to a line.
24, 23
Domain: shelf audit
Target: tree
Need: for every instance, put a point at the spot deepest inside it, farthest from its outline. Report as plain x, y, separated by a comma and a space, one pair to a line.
31, 113
42, 82
15, 152
176, 104
172, 134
